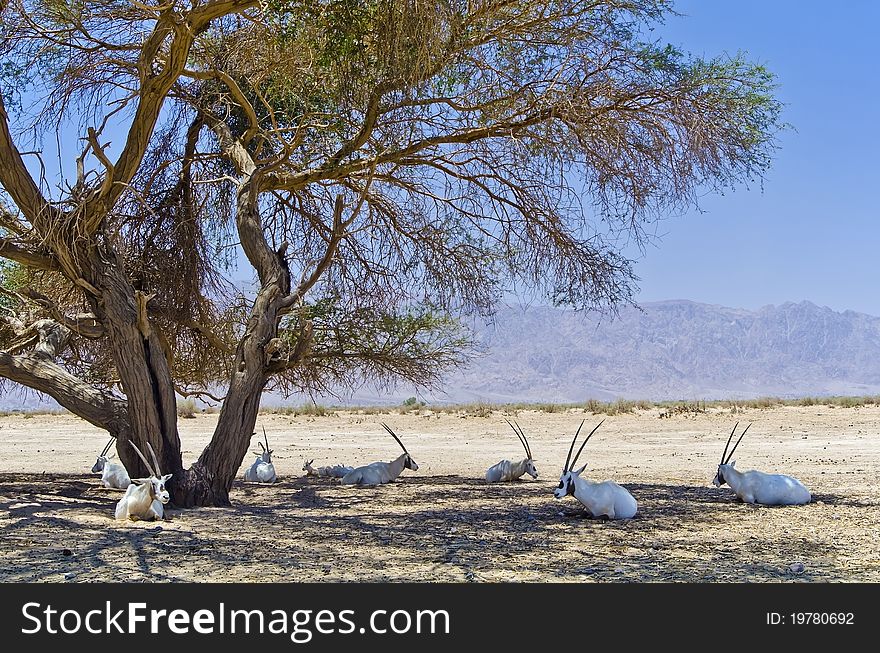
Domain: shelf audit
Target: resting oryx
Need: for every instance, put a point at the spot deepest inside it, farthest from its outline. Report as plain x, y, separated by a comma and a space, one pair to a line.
510, 471
333, 471
758, 487
378, 473
145, 497
262, 471
112, 474
606, 498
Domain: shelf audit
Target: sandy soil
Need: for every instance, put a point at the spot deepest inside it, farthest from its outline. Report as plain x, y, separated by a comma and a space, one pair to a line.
444, 523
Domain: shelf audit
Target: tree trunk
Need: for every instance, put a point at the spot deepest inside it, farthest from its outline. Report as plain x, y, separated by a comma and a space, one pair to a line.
208, 481
142, 367
211, 477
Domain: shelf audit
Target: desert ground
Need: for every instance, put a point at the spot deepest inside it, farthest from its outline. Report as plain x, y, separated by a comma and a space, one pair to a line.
444, 522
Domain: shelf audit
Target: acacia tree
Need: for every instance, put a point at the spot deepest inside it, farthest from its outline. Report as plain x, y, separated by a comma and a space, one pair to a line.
384, 166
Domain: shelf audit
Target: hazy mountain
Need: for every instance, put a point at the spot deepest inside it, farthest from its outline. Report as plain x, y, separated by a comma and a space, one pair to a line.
665, 350
673, 350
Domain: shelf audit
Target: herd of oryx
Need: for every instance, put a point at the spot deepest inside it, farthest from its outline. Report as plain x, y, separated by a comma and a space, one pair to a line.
144, 498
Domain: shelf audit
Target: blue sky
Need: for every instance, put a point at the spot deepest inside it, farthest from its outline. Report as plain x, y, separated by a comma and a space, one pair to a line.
813, 231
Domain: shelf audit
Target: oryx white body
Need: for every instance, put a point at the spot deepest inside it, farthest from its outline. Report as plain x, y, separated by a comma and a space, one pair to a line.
758, 487
766, 489
381, 472
113, 475
507, 470
262, 470
143, 502
145, 498
604, 499
331, 471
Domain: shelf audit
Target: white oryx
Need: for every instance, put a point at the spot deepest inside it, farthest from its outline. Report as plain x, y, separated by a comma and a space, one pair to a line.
378, 473
758, 487
333, 471
113, 475
262, 471
600, 499
145, 497
510, 471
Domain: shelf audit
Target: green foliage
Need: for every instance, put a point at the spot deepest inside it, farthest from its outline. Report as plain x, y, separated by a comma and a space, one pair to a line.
371, 344
489, 147
14, 78
307, 410
13, 277
361, 41
186, 409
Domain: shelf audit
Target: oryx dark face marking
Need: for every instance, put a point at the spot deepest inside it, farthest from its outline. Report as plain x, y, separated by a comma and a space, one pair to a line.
566, 485
103, 457
158, 487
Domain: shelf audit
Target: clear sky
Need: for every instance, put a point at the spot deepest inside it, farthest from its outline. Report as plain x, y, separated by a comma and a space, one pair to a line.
813, 231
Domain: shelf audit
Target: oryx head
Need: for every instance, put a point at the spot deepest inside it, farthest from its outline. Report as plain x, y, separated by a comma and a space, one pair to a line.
408, 461
266, 454
726, 463
104, 456
566, 481
530, 462
156, 479
308, 466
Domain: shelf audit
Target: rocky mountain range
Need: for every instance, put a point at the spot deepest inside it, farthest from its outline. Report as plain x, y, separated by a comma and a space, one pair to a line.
673, 350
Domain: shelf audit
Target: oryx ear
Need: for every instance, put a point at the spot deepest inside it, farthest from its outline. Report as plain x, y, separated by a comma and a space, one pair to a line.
577, 472
140, 481
732, 463
166, 477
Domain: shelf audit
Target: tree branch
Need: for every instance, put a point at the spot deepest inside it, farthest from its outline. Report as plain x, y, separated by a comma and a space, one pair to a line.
84, 324
152, 93
15, 252
17, 180
38, 371
237, 94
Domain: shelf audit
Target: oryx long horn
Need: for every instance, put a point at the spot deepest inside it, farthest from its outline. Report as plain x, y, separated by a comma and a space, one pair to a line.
586, 439
522, 438
728, 442
730, 455
149, 469
108, 445
525, 441
393, 435
265, 437
155, 461
565, 467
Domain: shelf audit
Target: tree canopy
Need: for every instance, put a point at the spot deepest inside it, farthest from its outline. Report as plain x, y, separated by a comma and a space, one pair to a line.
385, 167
